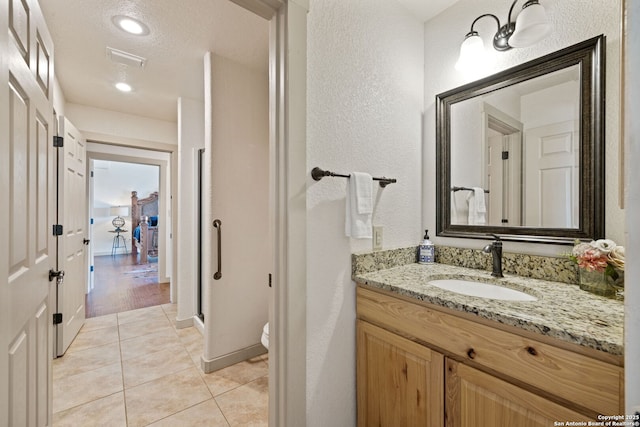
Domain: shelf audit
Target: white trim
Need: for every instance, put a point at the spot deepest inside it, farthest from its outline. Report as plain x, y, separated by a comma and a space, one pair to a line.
288, 177
264, 8
142, 144
164, 199
198, 324
184, 323
288, 311
631, 11
213, 365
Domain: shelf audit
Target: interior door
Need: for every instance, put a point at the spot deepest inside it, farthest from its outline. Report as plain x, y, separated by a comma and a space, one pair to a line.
551, 176
72, 244
26, 193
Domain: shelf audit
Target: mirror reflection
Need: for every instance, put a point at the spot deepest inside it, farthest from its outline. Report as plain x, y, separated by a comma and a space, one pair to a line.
521, 153
515, 154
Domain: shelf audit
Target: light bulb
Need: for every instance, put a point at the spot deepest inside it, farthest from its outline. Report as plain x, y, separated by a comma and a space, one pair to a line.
471, 52
532, 26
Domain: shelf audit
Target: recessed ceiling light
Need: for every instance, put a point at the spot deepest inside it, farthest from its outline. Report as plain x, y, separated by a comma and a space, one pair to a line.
123, 87
130, 25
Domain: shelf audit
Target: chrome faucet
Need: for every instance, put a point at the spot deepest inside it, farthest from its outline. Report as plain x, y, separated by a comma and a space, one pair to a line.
495, 248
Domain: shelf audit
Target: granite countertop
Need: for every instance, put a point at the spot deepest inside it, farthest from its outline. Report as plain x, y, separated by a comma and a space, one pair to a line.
562, 311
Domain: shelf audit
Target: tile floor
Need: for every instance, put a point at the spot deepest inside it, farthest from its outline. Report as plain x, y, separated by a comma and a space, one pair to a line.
135, 369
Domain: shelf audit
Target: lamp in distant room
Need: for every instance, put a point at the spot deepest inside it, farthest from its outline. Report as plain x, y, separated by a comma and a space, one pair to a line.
119, 212
531, 26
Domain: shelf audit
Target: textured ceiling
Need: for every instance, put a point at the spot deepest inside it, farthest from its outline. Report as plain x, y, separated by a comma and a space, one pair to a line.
181, 32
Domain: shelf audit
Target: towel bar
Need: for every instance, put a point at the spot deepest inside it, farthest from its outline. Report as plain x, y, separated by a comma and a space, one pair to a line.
465, 189
317, 174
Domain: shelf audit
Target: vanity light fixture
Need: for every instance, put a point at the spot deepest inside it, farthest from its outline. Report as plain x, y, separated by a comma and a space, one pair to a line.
123, 87
130, 25
530, 26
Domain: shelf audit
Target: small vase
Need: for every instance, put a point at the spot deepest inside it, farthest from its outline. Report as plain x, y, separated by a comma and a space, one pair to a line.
596, 282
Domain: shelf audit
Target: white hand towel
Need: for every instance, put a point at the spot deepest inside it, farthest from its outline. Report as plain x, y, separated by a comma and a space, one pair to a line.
364, 192
481, 207
454, 208
477, 207
359, 207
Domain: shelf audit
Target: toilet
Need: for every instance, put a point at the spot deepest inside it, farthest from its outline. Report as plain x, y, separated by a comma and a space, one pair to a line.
265, 336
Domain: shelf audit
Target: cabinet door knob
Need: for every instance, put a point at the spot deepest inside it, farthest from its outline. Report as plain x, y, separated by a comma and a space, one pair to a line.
471, 353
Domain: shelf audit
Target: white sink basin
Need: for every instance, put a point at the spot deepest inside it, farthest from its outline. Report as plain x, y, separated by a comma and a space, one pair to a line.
482, 290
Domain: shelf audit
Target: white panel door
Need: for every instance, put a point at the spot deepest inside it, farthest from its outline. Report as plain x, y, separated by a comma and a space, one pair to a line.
26, 194
72, 245
551, 177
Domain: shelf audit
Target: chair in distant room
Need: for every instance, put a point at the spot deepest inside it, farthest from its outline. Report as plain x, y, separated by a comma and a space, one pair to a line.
118, 222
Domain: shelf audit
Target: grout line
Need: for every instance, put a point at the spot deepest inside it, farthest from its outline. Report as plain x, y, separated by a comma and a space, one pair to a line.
222, 412
124, 392
183, 346
158, 378
87, 403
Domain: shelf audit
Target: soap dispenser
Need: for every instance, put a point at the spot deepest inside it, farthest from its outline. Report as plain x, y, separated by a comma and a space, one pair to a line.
426, 253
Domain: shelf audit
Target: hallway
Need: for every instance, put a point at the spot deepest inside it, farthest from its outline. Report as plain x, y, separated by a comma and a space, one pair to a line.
136, 369
121, 284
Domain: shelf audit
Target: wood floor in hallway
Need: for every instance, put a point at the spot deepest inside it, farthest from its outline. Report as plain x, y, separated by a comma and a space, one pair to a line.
122, 285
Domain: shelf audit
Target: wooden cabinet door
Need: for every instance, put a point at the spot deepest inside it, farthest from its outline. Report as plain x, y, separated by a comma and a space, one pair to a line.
477, 399
400, 383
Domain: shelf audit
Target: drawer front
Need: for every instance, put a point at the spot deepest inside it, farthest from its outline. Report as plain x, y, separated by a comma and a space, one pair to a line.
573, 377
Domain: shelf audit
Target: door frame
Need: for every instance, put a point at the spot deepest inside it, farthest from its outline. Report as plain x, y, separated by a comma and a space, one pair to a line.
288, 212
164, 199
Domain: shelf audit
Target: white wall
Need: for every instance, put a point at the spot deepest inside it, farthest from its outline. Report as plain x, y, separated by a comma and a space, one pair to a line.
632, 273
236, 191
364, 113
572, 22
551, 105
190, 139
97, 120
58, 98
467, 146
113, 183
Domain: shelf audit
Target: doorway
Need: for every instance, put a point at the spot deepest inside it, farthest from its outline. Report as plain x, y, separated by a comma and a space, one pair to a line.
121, 277
115, 267
288, 49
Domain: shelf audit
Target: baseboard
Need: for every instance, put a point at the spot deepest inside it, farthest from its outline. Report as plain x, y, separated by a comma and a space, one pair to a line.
218, 363
103, 253
184, 323
198, 324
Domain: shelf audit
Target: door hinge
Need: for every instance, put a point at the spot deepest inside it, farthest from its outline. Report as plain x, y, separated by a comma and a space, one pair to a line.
505, 155
58, 141
269, 279
57, 229
56, 275
57, 318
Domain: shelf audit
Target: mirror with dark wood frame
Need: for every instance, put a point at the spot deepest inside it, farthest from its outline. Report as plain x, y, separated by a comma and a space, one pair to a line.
521, 153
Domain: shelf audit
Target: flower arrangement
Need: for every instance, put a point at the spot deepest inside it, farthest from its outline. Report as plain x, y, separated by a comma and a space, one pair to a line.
602, 256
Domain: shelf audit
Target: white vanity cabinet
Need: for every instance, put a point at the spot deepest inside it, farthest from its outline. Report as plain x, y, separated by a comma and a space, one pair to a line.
419, 364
